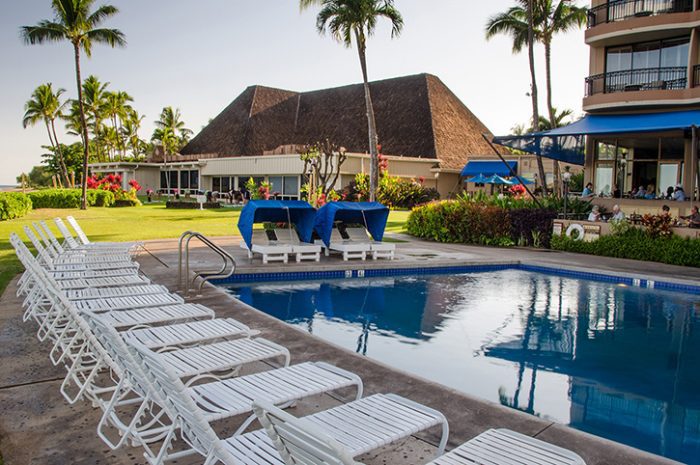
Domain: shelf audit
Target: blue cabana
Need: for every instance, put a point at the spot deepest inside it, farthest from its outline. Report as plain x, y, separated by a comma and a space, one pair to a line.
479, 179
495, 179
373, 215
297, 212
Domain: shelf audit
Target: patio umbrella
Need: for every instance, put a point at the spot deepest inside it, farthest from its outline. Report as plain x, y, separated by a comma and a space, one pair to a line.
525, 181
479, 179
496, 179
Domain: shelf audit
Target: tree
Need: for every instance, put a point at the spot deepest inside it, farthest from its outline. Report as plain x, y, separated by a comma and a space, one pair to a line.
519, 23
322, 162
45, 105
94, 101
558, 119
130, 133
356, 20
72, 155
117, 109
171, 129
75, 22
39, 176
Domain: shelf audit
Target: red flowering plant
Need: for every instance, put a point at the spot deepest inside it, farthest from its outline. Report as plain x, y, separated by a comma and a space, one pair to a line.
518, 191
113, 183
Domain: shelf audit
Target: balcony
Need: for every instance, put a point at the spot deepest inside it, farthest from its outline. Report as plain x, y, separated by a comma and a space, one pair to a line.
622, 10
672, 78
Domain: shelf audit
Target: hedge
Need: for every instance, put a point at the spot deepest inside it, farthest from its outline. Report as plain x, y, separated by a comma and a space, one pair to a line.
636, 244
70, 198
186, 205
14, 205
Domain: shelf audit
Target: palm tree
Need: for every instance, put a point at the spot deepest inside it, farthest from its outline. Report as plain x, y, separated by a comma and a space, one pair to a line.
178, 134
556, 122
45, 105
116, 107
130, 132
75, 22
519, 23
356, 20
94, 103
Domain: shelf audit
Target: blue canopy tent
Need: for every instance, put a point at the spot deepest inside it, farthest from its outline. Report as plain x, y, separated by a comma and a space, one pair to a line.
523, 181
495, 179
372, 215
567, 143
296, 212
479, 179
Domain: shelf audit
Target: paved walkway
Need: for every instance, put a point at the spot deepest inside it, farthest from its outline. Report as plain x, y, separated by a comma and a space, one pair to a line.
38, 427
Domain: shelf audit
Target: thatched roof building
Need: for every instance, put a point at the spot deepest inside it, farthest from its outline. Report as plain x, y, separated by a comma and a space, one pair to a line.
417, 116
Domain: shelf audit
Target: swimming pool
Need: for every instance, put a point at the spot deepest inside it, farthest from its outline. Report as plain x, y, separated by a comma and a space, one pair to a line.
616, 361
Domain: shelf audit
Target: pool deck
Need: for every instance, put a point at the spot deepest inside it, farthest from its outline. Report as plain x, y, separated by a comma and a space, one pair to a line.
38, 427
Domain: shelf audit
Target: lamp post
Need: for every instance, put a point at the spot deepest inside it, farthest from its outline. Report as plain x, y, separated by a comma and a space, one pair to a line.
566, 178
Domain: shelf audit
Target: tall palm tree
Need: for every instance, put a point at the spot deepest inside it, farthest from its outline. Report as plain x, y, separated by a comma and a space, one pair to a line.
45, 105
94, 102
557, 121
116, 108
171, 119
76, 22
356, 20
130, 132
554, 19
519, 23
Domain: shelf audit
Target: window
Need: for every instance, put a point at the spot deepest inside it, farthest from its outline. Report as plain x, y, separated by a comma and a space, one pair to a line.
291, 185
225, 184
657, 54
668, 176
194, 179
185, 179
216, 184
276, 184
168, 180
604, 179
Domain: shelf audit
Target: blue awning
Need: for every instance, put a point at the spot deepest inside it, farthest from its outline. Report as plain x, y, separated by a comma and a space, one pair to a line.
489, 168
373, 215
298, 212
568, 143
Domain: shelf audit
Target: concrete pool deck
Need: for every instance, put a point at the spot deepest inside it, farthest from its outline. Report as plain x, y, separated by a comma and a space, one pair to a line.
38, 427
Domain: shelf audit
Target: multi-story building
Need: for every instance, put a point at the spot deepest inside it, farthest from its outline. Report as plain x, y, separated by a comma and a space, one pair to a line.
644, 75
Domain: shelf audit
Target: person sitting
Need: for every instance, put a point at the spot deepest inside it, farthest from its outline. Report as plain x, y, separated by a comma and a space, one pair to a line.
693, 218
618, 215
669, 193
616, 193
595, 214
587, 191
641, 192
651, 192
679, 194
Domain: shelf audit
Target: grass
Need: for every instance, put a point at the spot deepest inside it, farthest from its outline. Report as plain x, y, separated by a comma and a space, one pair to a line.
150, 221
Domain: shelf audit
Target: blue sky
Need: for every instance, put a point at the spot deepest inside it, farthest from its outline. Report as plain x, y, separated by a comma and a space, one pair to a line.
198, 56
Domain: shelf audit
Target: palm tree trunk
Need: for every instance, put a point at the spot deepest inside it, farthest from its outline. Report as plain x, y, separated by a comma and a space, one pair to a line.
533, 90
59, 152
550, 107
371, 123
83, 123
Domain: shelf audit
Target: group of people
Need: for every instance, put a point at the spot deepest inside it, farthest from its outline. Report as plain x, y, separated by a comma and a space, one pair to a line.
649, 192
693, 219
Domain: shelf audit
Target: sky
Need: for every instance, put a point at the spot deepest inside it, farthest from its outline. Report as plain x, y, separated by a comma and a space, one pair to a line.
199, 56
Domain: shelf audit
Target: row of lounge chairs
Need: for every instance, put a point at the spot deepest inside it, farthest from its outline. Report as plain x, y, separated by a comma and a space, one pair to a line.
161, 370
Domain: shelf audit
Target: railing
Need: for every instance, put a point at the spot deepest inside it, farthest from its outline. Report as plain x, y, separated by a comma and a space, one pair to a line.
638, 79
183, 280
621, 10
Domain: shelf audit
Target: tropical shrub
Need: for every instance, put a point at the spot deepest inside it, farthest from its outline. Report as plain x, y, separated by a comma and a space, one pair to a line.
70, 198
531, 227
14, 205
463, 222
637, 244
113, 183
393, 191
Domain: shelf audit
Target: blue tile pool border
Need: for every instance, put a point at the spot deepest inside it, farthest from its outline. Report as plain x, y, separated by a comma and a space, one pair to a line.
482, 268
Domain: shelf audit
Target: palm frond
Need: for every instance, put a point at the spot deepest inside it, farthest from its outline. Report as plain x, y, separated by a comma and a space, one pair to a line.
45, 31
112, 37
100, 15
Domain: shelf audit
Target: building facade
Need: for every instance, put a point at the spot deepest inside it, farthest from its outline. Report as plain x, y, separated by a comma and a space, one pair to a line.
644, 59
424, 130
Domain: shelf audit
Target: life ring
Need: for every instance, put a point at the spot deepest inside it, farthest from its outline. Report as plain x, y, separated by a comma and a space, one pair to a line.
575, 227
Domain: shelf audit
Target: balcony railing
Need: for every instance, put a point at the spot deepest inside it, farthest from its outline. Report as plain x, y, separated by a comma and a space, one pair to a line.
638, 79
621, 10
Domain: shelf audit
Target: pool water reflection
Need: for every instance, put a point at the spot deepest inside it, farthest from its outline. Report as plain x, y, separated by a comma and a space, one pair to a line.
618, 362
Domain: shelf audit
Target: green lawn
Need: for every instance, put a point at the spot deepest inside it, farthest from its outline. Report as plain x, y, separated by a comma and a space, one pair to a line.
151, 221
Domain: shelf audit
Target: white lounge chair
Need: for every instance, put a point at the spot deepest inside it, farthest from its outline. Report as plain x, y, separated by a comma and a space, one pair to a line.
301, 250
342, 243
265, 243
377, 249
503, 446
84, 242
335, 436
192, 409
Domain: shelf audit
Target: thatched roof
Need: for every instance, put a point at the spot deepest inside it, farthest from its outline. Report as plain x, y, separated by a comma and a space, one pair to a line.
417, 116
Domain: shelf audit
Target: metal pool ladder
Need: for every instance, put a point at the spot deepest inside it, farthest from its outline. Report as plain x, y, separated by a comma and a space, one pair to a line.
183, 281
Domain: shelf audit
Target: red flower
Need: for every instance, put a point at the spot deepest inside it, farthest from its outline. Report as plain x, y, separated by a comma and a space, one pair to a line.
135, 185
421, 179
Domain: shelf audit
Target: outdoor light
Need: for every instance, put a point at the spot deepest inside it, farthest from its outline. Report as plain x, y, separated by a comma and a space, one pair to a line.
566, 178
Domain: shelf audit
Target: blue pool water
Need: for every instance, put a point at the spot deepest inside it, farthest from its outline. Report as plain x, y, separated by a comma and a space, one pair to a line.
615, 361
